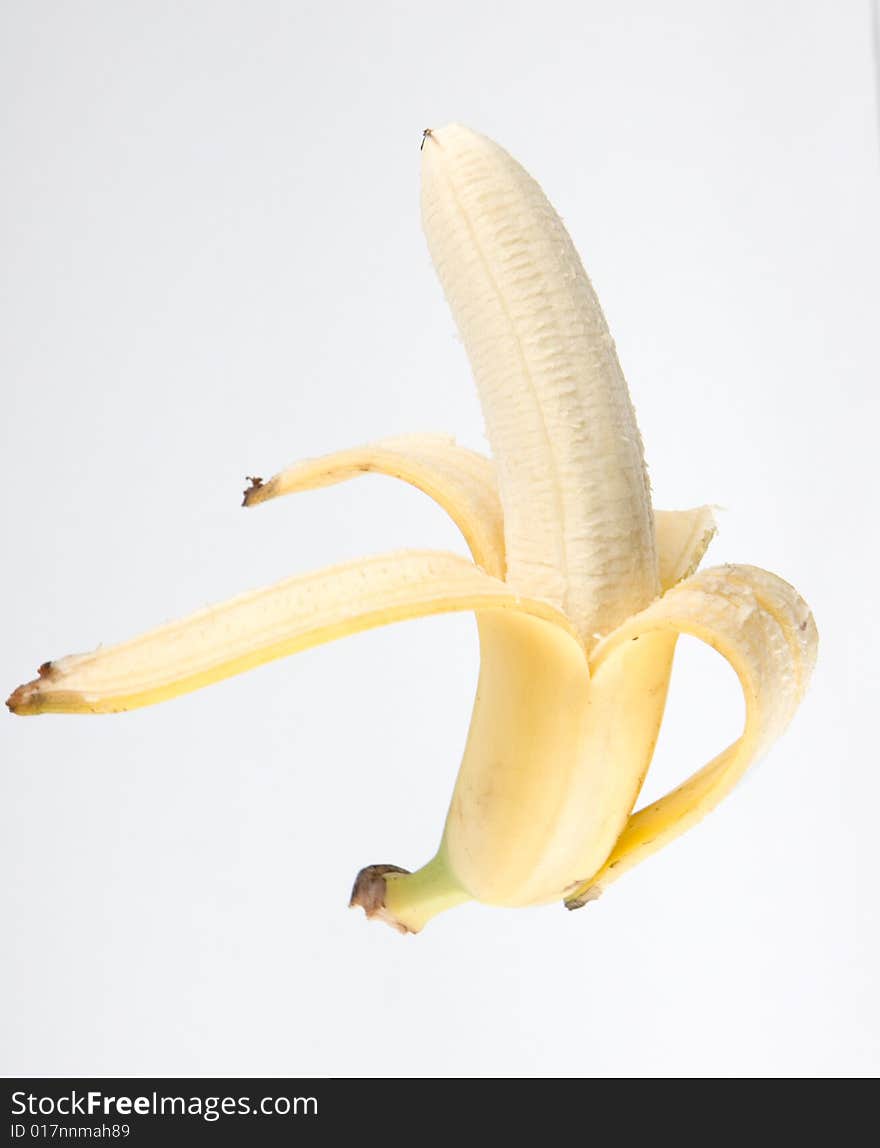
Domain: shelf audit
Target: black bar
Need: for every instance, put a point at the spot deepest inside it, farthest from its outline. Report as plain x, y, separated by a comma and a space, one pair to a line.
176, 1110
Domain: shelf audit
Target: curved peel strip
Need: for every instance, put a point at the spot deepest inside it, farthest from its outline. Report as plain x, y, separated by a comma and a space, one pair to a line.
683, 537
766, 632
265, 624
461, 481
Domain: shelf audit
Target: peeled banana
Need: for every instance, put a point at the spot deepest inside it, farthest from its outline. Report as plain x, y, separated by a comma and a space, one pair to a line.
580, 589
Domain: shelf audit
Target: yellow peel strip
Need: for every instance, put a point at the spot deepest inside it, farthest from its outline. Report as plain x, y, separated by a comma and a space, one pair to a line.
461, 481
766, 632
265, 624
683, 536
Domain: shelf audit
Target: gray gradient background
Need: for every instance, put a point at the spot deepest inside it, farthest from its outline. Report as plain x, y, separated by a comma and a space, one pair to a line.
213, 265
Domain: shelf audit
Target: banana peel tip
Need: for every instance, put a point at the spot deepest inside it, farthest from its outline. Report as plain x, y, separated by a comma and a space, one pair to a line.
25, 699
251, 495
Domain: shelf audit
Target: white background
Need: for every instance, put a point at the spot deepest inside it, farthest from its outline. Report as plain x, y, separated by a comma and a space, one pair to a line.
212, 265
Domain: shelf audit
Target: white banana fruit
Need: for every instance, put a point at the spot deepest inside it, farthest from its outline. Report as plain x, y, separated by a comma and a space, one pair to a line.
577, 509
580, 589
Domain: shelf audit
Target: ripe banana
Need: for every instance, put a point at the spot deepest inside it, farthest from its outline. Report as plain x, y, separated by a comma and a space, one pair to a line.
579, 587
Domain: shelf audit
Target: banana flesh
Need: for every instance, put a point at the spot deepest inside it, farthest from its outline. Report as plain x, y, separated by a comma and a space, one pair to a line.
577, 508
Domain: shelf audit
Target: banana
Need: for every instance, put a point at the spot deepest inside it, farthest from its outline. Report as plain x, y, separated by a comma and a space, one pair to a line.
580, 589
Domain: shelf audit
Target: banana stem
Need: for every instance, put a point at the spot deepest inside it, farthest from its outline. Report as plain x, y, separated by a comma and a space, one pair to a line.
407, 901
